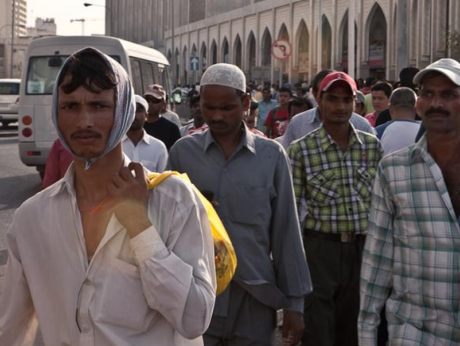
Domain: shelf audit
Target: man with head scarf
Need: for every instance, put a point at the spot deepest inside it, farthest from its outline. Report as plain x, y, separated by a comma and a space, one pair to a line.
97, 257
251, 185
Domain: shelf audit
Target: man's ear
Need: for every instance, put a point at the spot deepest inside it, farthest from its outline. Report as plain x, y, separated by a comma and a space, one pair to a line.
246, 101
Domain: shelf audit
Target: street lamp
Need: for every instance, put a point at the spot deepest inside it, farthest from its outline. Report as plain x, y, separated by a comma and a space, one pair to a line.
108, 10
18, 25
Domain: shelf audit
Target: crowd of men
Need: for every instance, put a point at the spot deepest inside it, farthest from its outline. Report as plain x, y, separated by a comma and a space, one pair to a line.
343, 210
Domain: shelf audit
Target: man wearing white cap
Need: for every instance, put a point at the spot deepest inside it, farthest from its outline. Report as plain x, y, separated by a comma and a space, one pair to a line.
333, 169
140, 146
411, 259
249, 179
98, 258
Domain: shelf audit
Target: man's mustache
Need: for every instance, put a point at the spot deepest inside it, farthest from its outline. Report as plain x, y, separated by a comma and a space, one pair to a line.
86, 133
438, 111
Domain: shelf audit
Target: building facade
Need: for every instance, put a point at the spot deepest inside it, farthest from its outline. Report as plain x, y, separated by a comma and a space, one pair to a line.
10, 33
389, 35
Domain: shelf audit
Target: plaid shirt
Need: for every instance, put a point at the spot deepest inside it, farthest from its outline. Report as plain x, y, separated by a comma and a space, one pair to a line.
411, 259
335, 186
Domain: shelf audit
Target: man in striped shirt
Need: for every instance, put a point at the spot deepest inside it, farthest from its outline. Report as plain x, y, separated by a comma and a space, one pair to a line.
333, 170
411, 259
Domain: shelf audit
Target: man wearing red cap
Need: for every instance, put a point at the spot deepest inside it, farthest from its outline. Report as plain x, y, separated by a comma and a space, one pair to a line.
333, 170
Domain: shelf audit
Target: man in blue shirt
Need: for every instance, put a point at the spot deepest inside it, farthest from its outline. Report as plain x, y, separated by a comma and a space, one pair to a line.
265, 106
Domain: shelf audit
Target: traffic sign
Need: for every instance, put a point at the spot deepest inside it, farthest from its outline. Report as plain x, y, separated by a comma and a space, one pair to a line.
194, 63
281, 49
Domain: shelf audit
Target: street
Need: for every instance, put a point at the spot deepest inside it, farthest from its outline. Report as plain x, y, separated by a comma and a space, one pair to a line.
17, 183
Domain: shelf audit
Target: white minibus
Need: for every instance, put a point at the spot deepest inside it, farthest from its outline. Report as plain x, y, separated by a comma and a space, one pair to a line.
43, 61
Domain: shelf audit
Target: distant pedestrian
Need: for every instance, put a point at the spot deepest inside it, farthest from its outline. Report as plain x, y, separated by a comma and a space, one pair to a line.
141, 147
278, 117
59, 160
402, 130
155, 125
380, 92
265, 106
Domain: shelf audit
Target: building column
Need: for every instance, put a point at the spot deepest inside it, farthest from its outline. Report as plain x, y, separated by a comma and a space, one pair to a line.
402, 32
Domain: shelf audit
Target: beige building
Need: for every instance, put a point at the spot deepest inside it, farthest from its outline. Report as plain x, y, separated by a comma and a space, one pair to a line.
389, 34
9, 34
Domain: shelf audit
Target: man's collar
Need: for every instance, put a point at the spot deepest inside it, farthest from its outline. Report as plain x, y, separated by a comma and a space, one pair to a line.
67, 182
145, 137
316, 118
248, 140
326, 140
419, 149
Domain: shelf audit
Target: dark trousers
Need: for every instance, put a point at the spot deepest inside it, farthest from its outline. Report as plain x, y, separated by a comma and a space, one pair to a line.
248, 322
331, 311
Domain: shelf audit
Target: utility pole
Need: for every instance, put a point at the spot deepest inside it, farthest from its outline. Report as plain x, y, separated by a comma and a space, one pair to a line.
12, 36
351, 38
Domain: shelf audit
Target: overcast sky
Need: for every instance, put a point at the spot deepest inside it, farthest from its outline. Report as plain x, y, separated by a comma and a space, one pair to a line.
63, 11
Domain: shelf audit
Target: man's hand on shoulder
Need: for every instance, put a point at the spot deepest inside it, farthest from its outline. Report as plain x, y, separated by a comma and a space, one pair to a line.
293, 326
129, 197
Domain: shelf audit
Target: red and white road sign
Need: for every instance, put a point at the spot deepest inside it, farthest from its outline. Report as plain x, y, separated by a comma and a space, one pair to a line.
281, 49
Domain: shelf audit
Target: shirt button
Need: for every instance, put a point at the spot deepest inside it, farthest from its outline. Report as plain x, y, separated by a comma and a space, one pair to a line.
87, 282
86, 330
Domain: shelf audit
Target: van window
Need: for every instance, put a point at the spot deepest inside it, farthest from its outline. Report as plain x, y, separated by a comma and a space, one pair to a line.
43, 71
7, 88
136, 76
147, 73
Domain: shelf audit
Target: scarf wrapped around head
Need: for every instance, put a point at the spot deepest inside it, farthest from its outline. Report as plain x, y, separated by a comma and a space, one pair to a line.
125, 105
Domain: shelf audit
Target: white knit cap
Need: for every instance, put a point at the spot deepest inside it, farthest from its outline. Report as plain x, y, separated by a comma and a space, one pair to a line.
142, 101
227, 75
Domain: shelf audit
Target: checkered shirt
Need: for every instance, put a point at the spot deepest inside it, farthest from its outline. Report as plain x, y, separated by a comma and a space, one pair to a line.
411, 259
334, 185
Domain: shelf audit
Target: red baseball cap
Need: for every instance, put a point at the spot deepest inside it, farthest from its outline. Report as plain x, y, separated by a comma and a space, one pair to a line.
334, 77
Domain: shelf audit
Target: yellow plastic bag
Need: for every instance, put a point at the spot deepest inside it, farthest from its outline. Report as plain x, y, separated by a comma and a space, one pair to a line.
224, 253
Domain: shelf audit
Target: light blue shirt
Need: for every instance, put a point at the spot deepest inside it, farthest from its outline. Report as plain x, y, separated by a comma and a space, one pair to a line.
264, 108
305, 122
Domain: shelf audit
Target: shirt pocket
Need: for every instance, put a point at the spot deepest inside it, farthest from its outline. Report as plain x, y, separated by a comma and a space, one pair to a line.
122, 302
322, 188
363, 182
250, 205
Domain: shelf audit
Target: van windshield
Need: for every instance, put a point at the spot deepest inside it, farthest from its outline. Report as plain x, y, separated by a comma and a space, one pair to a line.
43, 71
9, 88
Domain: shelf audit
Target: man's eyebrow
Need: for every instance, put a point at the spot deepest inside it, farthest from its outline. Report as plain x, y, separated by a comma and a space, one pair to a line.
100, 102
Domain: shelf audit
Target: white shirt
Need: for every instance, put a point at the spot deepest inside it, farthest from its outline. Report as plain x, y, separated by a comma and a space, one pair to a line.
157, 288
399, 134
172, 117
151, 152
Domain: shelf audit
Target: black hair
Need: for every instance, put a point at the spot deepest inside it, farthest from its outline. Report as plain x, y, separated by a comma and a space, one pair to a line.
318, 79
383, 86
285, 90
299, 102
194, 100
254, 106
88, 69
266, 89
